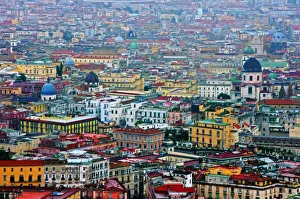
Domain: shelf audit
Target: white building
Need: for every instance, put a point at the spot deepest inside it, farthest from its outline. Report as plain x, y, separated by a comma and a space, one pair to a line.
100, 169
132, 113
251, 79
212, 88
153, 115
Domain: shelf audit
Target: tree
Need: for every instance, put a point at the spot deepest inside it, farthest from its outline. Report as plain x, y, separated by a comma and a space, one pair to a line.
21, 78
129, 9
68, 36
4, 155
59, 70
223, 96
282, 94
290, 92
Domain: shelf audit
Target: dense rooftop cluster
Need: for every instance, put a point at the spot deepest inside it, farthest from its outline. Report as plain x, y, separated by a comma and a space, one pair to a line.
149, 99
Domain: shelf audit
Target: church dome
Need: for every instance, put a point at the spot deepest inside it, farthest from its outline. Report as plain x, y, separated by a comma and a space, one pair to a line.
92, 78
134, 45
279, 37
248, 51
272, 31
119, 39
252, 65
272, 76
131, 35
48, 89
69, 62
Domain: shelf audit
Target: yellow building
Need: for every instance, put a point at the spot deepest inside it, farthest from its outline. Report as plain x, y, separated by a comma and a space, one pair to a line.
38, 107
35, 69
97, 57
170, 17
211, 133
20, 146
123, 81
22, 173
79, 124
43, 34
170, 86
8, 90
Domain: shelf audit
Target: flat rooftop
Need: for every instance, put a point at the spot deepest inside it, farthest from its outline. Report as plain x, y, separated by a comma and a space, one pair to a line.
63, 120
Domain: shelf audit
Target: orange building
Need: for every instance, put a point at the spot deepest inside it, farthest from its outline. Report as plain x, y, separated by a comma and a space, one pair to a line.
9, 90
22, 173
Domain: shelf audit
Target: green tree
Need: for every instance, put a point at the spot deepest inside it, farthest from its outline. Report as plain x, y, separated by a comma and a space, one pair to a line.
282, 94
21, 78
223, 96
59, 70
4, 155
68, 36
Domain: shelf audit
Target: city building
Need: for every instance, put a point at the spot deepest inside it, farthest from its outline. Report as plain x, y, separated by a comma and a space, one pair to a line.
146, 140
77, 124
22, 173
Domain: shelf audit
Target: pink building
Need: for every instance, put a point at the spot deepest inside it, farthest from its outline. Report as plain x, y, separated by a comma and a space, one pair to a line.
173, 117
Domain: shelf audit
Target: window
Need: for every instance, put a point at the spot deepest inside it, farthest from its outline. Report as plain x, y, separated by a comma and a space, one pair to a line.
257, 77
12, 178
12, 169
249, 90
39, 178
21, 178
30, 178
251, 78
30, 169
244, 77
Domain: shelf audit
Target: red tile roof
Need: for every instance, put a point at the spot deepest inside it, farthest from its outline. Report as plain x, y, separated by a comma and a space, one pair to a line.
154, 174
137, 131
32, 195
237, 126
280, 102
165, 98
249, 177
5, 163
226, 155
174, 188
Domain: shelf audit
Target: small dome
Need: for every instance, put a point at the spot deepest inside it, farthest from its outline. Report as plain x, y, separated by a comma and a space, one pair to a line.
48, 89
279, 37
272, 76
134, 45
248, 51
92, 78
131, 35
119, 39
272, 31
252, 65
69, 62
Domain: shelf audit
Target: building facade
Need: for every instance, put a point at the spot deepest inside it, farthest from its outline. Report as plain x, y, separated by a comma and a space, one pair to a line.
22, 173
147, 140
69, 125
